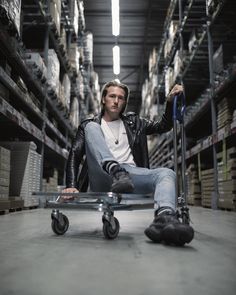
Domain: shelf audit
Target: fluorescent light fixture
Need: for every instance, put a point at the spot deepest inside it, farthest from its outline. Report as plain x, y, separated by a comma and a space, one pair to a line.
116, 59
115, 12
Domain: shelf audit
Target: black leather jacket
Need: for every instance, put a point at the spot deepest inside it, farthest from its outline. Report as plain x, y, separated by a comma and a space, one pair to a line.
137, 130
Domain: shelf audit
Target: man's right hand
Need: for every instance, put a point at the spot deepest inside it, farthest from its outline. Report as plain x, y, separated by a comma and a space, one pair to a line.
69, 190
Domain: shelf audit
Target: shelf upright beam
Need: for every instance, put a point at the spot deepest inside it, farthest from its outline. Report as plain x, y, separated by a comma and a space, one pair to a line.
215, 193
183, 133
46, 48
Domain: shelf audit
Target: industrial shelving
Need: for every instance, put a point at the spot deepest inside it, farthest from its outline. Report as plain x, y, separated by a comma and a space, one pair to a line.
31, 108
200, 28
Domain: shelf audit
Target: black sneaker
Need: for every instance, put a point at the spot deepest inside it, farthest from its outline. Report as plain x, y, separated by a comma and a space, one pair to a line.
154, 231
121, 181
178, 234
167, 227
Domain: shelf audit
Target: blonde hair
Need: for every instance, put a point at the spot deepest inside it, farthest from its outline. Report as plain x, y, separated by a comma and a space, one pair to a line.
115, 83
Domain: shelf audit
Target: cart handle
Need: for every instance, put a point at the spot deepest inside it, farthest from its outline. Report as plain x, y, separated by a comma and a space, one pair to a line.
179, 109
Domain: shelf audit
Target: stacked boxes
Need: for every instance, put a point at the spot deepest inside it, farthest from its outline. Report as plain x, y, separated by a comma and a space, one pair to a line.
81, 16
38, 63
74, 56
25, 171
225, 111
55, 12
207, 182
192, 41
4, 178
177, 65
222, 56
171, 35
62, 38
67, 88
227, 179
53, 71
74, 15
193, 186
12, 10
88, 48
169, 80
74, 113
152, 62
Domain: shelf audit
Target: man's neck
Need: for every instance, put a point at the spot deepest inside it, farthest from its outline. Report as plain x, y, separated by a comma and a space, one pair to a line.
109, 118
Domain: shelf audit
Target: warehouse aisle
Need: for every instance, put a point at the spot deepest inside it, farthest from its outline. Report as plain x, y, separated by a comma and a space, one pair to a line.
34, 261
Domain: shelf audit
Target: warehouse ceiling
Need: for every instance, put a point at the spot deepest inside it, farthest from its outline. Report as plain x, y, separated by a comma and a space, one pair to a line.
141, 29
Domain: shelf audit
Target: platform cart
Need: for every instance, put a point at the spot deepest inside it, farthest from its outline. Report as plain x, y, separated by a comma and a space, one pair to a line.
102, 202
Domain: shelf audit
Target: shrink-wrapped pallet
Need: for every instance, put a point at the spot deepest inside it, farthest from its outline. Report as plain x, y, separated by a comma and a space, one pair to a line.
55, 12
88, 47
74, 56
74, 15
74, 113
53, 71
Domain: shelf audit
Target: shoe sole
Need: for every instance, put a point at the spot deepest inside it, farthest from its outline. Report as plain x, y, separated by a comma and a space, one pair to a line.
122, 187
178, 234
153, 235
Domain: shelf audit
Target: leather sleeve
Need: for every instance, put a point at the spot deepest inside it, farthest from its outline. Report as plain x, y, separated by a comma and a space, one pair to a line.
162, 126
76, 154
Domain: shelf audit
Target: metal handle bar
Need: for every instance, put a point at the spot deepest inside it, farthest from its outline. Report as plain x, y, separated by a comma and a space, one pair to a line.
179, 107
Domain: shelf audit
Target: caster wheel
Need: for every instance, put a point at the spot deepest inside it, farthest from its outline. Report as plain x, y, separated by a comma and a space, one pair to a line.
59, 228
110, 232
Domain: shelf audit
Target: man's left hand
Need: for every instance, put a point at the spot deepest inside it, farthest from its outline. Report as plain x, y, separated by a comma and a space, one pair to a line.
177, 89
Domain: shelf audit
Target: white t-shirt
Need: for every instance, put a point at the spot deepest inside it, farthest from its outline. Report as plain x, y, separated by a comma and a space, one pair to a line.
117, 141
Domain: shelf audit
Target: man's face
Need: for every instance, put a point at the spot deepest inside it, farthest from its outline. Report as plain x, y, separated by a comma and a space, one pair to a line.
114, 101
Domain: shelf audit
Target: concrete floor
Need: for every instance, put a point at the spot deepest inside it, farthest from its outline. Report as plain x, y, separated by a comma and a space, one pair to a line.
34, 261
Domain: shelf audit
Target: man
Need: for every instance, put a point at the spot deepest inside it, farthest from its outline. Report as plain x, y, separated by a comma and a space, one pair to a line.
115, 146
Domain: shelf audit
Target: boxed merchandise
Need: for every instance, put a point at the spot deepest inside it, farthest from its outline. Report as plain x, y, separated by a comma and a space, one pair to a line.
193, 186
167, 47
225, 110
67, 88
13, 10
61, 96
25, 171
223, 55
5, 157
74, 15
169, 81
80, 85
173, 28
81, 16
55, 12
152, 61
63, 38
74, 113
88, 47
53, 71
177, 64
38, 62
192, 41
74, 56
227, 178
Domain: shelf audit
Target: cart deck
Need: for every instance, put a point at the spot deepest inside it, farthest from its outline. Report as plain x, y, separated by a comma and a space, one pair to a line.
100, 201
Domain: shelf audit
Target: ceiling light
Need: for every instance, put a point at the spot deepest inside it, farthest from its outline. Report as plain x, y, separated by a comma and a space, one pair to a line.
116, 59
115, 11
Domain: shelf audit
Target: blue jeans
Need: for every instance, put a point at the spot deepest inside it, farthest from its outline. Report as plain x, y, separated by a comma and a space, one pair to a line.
159, 181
